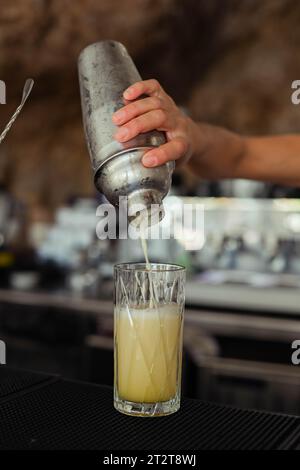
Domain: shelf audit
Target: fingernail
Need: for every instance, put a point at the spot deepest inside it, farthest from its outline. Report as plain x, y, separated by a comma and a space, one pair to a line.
128, 92
118, 116
150, 160
122, 133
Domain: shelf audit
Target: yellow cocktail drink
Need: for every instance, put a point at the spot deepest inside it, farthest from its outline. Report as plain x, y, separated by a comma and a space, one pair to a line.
148, 352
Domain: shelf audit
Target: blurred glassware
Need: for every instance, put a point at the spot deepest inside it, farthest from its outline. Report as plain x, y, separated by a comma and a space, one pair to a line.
24, 280
73, 231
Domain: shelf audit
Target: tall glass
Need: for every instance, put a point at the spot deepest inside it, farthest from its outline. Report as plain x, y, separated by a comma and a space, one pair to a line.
148, 316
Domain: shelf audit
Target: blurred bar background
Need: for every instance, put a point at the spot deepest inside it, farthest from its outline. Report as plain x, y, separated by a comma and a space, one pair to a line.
229, 63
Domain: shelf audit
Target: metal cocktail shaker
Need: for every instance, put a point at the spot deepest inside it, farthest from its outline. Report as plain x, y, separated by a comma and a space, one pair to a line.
105, 71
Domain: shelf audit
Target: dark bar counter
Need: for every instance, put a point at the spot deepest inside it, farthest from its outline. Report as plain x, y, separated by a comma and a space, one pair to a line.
39, 411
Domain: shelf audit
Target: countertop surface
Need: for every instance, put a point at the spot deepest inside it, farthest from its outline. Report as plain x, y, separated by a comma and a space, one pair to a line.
284, 327
274, 299
265, 298
39, 411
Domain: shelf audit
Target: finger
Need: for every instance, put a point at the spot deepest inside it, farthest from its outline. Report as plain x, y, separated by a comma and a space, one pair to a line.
167, 152
135, 109
148, 87
147, 122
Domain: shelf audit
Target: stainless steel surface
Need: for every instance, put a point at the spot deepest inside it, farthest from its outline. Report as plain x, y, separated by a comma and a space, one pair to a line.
105, 71
124, 175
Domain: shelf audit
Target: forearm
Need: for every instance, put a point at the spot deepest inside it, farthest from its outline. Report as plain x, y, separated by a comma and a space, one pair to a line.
275, 159
216, 153
219, 154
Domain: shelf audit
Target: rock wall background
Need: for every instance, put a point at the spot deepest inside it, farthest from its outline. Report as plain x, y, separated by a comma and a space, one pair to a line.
229, 62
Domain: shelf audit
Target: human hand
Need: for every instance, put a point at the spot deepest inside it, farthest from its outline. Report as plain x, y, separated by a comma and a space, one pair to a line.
157, 111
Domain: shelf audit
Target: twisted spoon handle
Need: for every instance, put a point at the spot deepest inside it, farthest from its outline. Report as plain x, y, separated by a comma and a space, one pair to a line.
26, 92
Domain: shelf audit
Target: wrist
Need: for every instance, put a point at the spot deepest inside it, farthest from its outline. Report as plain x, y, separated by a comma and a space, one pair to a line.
196, 143
239, 156
216, 153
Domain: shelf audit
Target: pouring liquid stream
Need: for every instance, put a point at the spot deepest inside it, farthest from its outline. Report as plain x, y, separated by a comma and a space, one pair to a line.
148, 266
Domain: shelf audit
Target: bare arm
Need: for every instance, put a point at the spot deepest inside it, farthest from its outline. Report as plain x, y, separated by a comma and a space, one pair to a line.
275, 159
219, 153
211, 152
